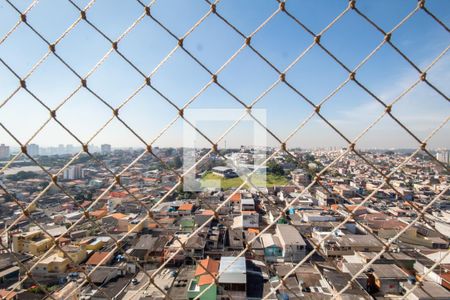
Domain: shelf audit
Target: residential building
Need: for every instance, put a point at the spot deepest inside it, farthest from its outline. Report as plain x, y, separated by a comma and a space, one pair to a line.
73, 173
203, 279
443, 156
34, 242
33, 150
4, 151
248, 204
292, 244
105, 148
272, 247
54, 263
301, 177
224, 172
233, 277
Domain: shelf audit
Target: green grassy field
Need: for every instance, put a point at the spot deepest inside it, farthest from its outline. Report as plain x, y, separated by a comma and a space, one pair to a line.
258, 180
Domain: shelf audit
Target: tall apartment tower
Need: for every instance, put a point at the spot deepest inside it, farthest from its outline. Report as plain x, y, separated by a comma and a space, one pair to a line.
443, 156
105, 148
73, 173
33, 150
4, 151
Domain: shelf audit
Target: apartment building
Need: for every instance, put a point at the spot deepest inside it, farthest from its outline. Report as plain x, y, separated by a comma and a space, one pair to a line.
292, 244
33, 242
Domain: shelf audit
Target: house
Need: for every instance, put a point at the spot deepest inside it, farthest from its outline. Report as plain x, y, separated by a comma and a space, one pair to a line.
248, 204
77, 254
92, 243
235, 239
401, 259
233, 278
148, 249
339, 244
379, 279
324, 198
428, 290
309, 216
272, 247
98, 214
112, 220
203, 278
186, 224
345, 191
8, 276
224, 172
185, 209
248, 219
194, 248
8, 295
33, 242
52, 264
292, 244
203, 216
236, 198
387, 278
100, 258
338, 280
300, 176
424, 263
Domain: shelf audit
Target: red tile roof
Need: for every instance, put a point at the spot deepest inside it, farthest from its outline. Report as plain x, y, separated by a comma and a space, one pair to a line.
236, 197
118, 194
205, 276
186, 207
97, 258
5, 294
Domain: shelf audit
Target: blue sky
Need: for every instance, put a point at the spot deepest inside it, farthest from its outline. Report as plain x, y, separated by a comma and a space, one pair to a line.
386, 74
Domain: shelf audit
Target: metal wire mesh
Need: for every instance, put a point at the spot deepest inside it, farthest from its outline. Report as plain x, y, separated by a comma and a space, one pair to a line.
114, 176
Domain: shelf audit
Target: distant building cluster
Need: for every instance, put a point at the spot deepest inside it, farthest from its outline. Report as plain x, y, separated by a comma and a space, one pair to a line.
198, 235
443, 156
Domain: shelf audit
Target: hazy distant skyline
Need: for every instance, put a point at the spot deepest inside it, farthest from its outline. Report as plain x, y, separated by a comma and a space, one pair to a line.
351, 110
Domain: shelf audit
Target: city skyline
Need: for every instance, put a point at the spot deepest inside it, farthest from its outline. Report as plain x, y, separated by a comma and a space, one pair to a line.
224, 149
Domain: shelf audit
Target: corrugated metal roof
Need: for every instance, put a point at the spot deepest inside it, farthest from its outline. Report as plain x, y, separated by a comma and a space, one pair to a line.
232, 270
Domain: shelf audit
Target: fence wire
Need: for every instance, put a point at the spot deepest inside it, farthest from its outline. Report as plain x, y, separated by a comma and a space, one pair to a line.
114, 176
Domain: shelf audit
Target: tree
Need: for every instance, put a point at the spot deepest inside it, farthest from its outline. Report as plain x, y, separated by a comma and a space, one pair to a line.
176, 162
22, 175
275, 168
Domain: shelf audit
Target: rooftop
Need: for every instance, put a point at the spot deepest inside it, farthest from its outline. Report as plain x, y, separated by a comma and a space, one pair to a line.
232, 270
290, 235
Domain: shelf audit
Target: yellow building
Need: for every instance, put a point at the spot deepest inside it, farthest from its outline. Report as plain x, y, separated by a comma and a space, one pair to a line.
34, 242
135, 226
92, 244
77, 253
52, 264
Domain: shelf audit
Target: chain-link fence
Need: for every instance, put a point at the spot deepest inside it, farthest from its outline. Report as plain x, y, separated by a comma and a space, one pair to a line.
55, 250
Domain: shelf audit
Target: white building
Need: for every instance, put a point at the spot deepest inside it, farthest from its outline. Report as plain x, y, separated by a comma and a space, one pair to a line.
73, 172
105, 148
33, 149
233, 272
248, 219
247, 204
4, 151
443, 156
292, 243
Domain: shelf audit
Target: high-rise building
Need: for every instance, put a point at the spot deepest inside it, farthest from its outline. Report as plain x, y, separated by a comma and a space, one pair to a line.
70, 149
33, 150
73, 172
61, 149
106, 148
4, 151
443, 156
